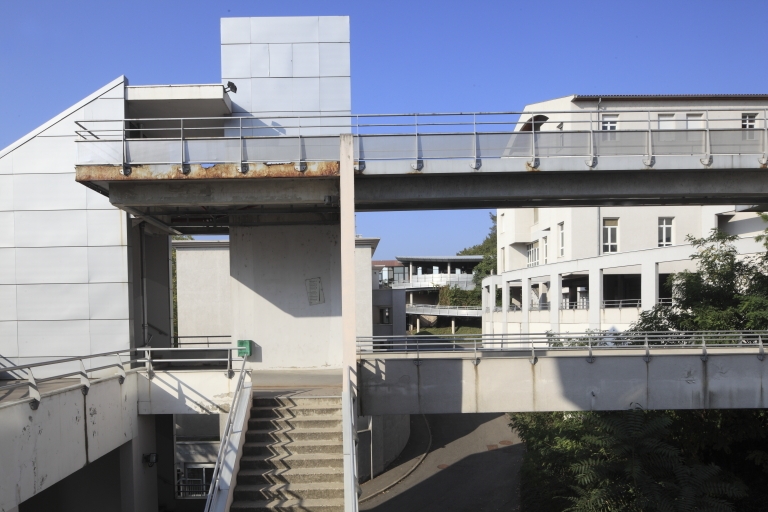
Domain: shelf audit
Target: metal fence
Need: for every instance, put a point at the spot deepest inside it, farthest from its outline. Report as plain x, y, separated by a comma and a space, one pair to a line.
622, 303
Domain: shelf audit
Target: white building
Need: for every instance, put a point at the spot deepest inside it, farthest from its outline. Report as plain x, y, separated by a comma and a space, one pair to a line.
578, 268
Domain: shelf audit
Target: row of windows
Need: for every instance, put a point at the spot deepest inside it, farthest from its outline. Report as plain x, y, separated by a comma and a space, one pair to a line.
609, 122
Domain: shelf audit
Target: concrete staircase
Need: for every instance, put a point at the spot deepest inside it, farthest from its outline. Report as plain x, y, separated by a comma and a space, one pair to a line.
292, 458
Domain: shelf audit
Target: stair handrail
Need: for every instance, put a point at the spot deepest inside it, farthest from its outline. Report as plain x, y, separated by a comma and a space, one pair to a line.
352, 488
215, 487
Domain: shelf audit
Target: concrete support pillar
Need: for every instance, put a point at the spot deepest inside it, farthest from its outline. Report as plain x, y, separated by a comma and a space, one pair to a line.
138, 481
526, 304
347, 225
555, 295
411, 298
449, 267
504, 305
453, 326
492, 306
418, 324
649, 285
595, 297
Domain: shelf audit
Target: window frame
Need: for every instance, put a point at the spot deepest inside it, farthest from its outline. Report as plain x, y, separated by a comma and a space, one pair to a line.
607, 229
561, 239
533, 254
662, 225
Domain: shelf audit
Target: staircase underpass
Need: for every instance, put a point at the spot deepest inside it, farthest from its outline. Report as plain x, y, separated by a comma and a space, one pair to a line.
292, 457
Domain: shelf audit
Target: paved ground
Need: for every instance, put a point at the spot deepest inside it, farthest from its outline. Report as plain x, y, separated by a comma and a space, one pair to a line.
473, 466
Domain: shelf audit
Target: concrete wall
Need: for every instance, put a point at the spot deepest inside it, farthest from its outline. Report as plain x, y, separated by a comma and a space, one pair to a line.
390, 435
202, 288
272, 304
63, 247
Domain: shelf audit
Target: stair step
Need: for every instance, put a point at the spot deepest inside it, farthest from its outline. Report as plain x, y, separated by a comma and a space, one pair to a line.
303, 422
304, 460
292, 401
291, 447
335, 505
309, 434
294, 412
289, 491
295, 475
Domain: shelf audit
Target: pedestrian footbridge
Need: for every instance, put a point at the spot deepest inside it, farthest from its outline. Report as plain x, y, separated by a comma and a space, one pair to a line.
565, 372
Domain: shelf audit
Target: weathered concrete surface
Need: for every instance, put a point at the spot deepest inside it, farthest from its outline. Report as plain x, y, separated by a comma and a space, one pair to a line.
41, 447
616, 380
185, 392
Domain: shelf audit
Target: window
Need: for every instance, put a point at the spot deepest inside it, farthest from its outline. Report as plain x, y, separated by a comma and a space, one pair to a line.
609, 123
533, 254
610, 235
561, 236
748, 123
535, 215
501, 260
546, 249
665, 231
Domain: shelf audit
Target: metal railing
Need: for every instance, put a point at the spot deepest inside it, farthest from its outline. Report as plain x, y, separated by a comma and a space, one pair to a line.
225, 440
469, 345
666, 301
191, 488
117, 360
352, 490
579, 304
201, 340
539, 306
622, 303
418, 137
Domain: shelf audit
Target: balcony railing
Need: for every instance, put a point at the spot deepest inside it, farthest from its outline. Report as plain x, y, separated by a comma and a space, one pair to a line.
622, 303
579, 304
437, 280
539, 306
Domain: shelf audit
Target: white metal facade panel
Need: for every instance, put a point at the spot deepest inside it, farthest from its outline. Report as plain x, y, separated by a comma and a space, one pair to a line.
334, 59
271, 94
334, 29
335, 94
306, 94
259, 61
7, 302
8, 266
6, 192
280, 60
6, 164
48, 192
6, 229
52, 265
106, 227
104, 109
108, 301
45, 155
51, 229
241, 100
96, 201
109, 335
235, 61
306, 60
46, 339
304, 29
52, 302
108, 264
235, 30
9, 346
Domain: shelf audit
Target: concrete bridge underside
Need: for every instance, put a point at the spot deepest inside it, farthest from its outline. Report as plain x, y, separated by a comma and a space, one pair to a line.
724, 378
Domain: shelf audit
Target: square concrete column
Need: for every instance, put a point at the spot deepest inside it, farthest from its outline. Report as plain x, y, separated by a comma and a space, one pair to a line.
555, 291
649, 285
504, 305
347, 227
595, 297
526, 304
492, 306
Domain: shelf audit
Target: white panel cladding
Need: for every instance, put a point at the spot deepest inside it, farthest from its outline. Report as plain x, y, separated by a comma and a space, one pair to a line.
45, 155
106, 227
6, 192
334, 59
48, 339
66, 126
335, 94
48, 192
241, 101
304, 29
259, 61
108, 301
50, 229
108, 264
107, 335
96, 201
334, 29
236, 61
6, 229
52, 302
306, 94
271, 94
280, 60
9, 346
52, 265
6, 164
104, 109
8, 266
7, 302
235, 30
306, 59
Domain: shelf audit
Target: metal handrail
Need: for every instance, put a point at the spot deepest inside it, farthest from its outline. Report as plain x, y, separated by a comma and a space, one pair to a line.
352, 490
441, 306
215, 487
622, 303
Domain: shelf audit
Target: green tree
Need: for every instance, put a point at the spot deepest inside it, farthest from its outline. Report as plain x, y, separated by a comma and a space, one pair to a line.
486, 249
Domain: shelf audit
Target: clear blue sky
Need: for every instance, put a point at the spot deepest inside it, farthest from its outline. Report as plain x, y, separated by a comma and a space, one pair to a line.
407, 56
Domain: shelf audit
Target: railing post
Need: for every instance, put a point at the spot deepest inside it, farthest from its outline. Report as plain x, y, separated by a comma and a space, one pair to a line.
85, 382
417, 162
707, 160
764, 159
649, 160
120, 369
475, 161
230, 371
181, 142
34, 393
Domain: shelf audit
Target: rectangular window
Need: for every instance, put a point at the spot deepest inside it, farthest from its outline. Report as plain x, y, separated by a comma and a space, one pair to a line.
561, 236
665, 231
610, 235
748, 123
535, 215
501, 261
546, 249
533, 254
609, 123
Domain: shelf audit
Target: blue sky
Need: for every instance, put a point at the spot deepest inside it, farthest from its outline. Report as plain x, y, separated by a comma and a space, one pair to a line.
407, 56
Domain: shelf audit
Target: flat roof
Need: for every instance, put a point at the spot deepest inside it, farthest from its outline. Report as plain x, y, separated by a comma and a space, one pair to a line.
656, 97
196, 100
451, 259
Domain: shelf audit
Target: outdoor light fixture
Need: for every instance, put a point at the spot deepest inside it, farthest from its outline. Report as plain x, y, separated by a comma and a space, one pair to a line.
230, 87
149, 458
